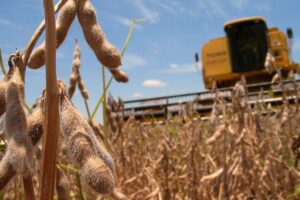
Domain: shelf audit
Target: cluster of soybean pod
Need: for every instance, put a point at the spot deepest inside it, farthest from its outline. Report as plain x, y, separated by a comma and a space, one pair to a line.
23, 132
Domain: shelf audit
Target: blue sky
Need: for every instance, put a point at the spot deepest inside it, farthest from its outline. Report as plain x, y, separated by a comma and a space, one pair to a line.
160, 57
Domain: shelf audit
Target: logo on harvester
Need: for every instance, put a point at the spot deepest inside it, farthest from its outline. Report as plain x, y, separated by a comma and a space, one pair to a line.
275, 43
216, 54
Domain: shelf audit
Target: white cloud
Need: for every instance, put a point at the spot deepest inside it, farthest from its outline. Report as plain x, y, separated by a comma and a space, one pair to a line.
153, 46
11, 24
154, 83
124, 21
213, 8
173, 66
165, 6
240, 4
180, 8
131, 60
217, 8
182, 68
174, 7
151, 15
262, 7
137, 95
4, 22
244, 4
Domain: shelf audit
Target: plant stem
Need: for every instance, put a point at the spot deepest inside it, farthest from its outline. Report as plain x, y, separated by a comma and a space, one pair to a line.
51, 123
104, 104
87, 108
27, 107
81, 197
101, 99
76, 172
1, 63
28, 187
68, 168
132, 23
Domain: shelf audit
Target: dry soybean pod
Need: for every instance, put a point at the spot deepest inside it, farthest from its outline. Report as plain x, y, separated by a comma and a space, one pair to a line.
110, 119
4, 84
96, 164
119, 75
83, 90
73, 119
35, 123
77, 55
75, 76
73, 82
105, 52
17, 158
64, 21
19, 144
35, 130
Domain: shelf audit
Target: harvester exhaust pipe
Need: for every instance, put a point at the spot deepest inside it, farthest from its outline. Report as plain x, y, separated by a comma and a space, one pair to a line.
290, 35
289, 32
196, 57
197, 62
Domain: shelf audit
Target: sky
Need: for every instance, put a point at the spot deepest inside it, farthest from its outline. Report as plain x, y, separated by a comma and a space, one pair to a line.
160, 57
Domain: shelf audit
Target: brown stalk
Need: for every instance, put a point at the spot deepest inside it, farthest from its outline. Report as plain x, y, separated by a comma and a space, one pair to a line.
52, 118
87, 107
28, 187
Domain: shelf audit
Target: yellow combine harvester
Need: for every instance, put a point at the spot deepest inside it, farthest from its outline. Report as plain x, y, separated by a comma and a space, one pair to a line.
243, 52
